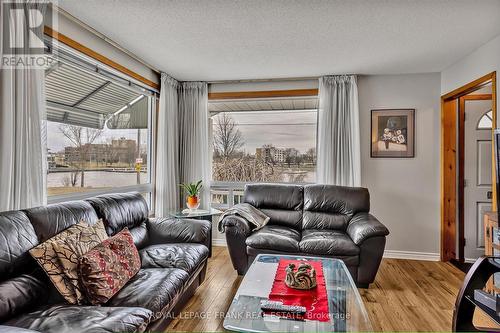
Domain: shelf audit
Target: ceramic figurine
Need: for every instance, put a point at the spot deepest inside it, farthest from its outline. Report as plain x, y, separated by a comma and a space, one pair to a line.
304, 278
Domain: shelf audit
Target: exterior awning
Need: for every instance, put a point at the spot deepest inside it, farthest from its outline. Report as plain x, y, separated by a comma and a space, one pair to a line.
263, 104
134, 116
79, 97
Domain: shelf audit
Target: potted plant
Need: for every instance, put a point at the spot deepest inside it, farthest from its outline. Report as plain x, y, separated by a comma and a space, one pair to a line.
192, 190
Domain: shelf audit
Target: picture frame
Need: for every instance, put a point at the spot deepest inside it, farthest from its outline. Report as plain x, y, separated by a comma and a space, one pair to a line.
392, 133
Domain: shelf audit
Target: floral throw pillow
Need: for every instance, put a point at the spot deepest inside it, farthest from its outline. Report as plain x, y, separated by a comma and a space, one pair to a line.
106, 268
47, 258
69, 249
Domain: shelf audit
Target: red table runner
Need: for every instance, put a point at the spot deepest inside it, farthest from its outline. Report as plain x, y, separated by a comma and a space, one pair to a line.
315, 300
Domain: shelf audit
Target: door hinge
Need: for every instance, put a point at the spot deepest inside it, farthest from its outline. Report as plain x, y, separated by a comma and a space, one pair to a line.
465, 182
465, 116
464, 241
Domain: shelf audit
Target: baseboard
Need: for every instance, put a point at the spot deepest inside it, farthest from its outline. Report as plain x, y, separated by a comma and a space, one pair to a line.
428, 256
219, 242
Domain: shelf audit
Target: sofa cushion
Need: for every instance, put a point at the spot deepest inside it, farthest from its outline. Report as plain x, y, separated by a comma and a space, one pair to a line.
327, 242
20, 294
106, 268
17, 236
52, 219
281, 202
184, 256
325, 220
47, 257
72, 247
155, 289
331, 207
274, 237
120, 210
84, 319
140, 235
286, 218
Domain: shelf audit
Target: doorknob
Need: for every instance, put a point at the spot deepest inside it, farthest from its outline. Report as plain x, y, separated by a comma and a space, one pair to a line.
489, 194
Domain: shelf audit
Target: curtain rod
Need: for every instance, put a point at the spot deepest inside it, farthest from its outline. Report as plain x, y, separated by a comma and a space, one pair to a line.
103, 37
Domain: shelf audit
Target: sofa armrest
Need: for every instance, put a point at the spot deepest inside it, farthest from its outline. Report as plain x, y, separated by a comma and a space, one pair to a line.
237, 229
363, 226
169, 230
236, 225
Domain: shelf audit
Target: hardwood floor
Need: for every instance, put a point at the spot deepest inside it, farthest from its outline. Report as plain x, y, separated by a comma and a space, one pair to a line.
408, 295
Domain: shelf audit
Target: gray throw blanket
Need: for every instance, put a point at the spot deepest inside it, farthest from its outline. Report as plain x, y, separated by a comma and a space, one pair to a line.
248, 212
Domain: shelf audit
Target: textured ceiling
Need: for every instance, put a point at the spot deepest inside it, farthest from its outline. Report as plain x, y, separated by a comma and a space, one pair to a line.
222, 39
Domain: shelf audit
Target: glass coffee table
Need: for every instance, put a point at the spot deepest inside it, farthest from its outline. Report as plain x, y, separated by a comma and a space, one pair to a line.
346, 308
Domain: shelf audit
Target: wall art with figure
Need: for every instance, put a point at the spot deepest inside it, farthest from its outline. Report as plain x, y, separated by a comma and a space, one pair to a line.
393, 133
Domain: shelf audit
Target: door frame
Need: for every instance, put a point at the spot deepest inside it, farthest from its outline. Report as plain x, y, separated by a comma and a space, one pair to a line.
461, 165
451, 181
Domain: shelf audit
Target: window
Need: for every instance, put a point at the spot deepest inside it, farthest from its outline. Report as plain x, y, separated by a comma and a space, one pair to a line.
486, 121
98, 132
256, 140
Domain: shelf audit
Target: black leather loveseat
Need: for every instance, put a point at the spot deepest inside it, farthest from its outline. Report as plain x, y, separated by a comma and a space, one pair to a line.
173, 256
314, 220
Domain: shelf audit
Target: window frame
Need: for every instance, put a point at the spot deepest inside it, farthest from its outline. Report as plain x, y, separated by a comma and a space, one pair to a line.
98, 68
232, 186
485, 115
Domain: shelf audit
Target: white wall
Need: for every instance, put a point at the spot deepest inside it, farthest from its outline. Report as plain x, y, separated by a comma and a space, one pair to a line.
405, 192
482, 61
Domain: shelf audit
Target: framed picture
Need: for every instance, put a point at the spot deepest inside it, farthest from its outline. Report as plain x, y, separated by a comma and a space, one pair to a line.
393, 133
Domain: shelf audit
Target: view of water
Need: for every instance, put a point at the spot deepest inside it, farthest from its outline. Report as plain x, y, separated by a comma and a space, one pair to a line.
98, 179
309, 176
114, 179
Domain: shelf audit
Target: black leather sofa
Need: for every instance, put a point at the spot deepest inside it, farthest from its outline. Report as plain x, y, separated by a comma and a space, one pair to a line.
311, 220
173, 256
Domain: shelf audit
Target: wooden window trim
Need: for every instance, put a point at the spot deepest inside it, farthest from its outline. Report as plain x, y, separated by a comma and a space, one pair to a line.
262, 94
97, 56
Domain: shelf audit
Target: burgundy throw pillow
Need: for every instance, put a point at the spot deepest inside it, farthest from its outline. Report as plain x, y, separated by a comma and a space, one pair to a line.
106, 268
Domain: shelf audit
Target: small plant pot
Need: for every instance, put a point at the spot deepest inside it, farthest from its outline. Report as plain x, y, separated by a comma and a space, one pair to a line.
193, 202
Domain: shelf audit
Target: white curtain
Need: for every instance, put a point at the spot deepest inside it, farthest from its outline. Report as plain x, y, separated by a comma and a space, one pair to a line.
194, 151
167, 158
339, 151
23, 162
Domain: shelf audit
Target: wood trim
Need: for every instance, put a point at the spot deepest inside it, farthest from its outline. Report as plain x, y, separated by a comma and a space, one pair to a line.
448, 179
461, 178
477, 97
262, 94
494, 120
469, 87
97, 56
450, 203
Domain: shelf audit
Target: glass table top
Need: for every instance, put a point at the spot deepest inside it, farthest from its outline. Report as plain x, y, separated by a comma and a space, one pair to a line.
346, 308
194, 213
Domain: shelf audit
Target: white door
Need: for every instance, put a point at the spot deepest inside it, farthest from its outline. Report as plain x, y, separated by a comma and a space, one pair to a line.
477, 171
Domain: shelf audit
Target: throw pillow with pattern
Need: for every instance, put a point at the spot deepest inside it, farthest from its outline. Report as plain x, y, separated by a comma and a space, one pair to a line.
47, 258
106, 268
69, 249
